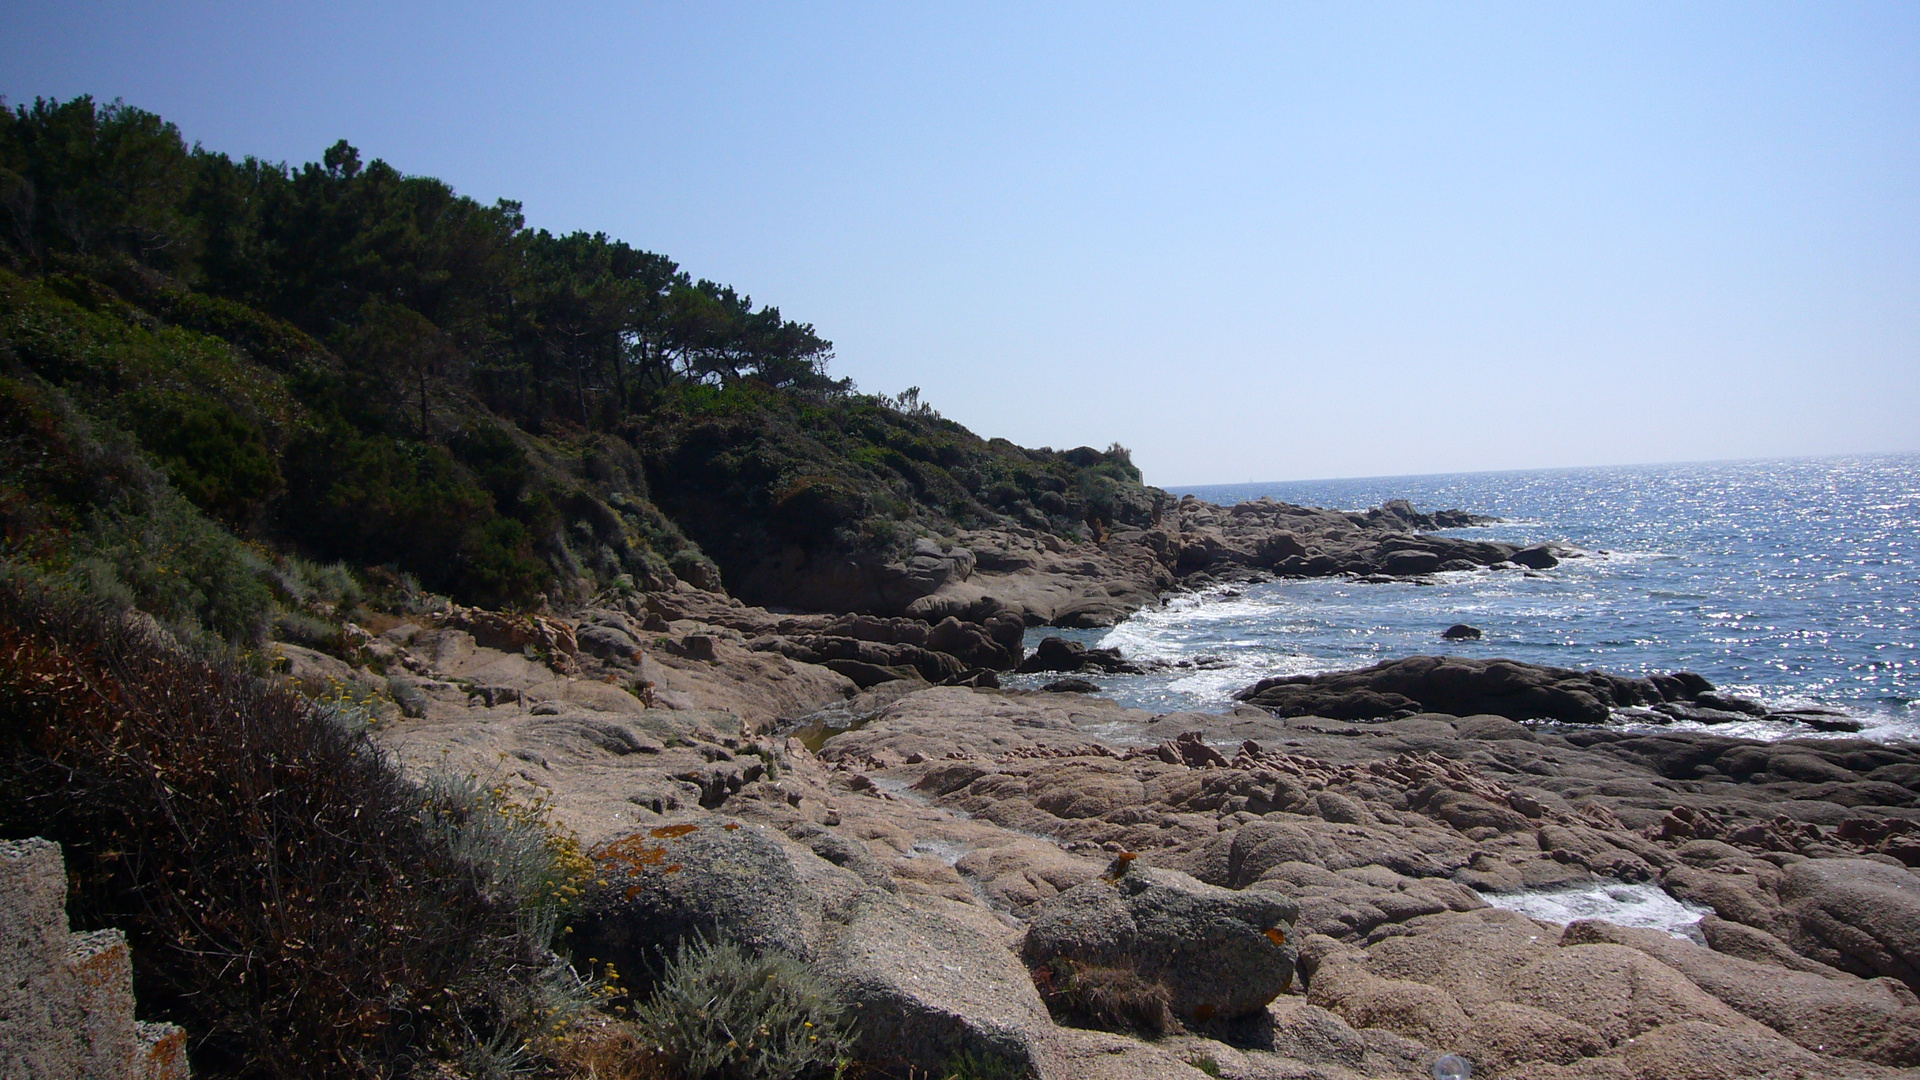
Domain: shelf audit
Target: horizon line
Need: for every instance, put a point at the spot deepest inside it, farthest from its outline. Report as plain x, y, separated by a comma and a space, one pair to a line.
1548, 468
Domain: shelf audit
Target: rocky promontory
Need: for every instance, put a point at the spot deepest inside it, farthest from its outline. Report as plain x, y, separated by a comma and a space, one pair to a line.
1043, 578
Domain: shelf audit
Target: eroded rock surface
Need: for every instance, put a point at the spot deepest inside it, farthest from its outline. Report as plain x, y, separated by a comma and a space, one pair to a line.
1220, 953
942, 822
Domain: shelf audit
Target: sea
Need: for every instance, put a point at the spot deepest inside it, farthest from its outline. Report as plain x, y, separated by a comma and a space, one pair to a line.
1796, 582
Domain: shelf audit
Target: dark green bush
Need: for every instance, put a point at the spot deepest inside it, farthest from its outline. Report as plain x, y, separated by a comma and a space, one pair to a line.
215, 458
80, 503
371, 499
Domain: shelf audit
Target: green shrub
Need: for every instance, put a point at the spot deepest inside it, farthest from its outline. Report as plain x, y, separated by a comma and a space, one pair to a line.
217, 460
512, 849
156, 552
723, 1014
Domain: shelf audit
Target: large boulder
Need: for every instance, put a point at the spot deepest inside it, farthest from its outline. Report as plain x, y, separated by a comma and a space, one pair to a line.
1463, 687
1220, 954
1857, 915
927, 985
707, 877
928, 988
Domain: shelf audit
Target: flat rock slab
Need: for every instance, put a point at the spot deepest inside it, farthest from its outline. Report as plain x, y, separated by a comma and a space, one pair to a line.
1463, 687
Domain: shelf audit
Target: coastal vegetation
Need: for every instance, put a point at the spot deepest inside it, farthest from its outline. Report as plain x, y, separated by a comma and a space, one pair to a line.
294, 902
243, 402
347, 364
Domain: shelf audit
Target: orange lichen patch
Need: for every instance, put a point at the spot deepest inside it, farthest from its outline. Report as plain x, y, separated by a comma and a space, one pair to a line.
1277, 935
674, 832
166, 1057
631, 854
731, 825
671, 868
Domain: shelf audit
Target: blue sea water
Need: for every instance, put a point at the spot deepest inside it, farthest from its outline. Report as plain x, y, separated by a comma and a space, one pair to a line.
1796, 582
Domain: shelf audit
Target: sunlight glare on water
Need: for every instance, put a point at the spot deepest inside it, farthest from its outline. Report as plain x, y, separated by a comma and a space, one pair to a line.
1791, 581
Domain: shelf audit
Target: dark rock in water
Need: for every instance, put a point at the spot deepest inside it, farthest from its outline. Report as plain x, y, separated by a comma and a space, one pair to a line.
1818, 719
1726, 703
1059, 654
979, 679
1461, 632
1537, 557
1055, 654
1509, 688
1071, 686
1412, 562
1699, 714
1221, 954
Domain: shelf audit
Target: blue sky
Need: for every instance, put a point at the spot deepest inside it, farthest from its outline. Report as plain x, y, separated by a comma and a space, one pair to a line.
1252, 242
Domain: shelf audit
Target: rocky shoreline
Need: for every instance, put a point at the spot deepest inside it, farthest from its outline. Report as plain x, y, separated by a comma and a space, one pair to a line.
1046, 580
957, 859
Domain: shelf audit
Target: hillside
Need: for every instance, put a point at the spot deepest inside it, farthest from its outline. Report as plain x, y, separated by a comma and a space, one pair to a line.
220, 376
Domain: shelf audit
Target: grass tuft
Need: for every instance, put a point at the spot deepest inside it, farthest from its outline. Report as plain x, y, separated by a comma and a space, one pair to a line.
1109, 997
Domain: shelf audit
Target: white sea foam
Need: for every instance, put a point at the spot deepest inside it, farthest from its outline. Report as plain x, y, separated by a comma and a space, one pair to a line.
1646, 906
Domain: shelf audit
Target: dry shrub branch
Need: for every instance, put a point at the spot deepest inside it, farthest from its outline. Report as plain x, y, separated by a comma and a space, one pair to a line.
269, 864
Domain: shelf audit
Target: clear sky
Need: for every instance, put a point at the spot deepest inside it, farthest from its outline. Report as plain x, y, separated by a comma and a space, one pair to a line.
1252, 242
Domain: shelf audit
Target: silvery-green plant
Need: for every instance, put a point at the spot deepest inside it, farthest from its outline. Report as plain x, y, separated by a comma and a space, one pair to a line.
721, 1013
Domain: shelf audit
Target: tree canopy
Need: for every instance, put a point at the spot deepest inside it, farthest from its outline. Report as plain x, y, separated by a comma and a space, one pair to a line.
397, 273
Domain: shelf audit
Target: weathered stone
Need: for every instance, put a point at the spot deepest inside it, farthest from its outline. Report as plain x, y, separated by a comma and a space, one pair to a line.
1220, 954
66, 999
1856, 915
1460, 687
1854, 1018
